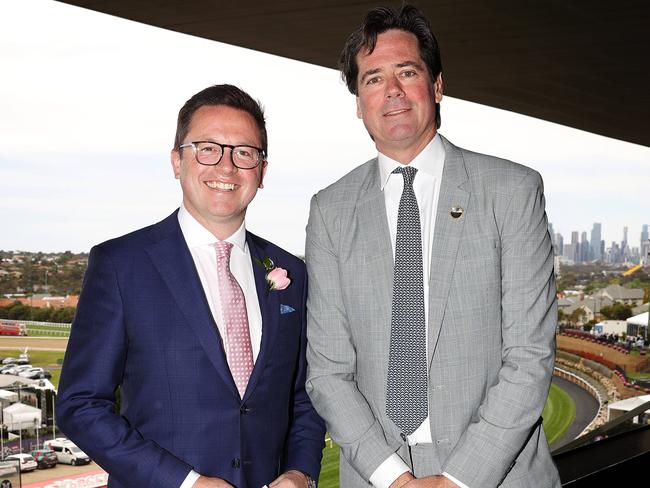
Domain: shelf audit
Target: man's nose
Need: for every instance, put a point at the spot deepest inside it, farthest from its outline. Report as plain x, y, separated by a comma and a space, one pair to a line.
226, 166
393, 87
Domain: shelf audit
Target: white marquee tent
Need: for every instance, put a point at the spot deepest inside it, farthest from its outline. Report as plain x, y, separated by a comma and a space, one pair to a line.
20, 416
619, 408
638, 324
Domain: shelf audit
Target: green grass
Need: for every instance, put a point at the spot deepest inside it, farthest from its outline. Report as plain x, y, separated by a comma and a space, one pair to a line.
559, 413
638, 376
45, 359
329, 473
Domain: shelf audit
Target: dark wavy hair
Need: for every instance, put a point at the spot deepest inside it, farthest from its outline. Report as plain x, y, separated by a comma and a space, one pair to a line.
380, 20
228, 95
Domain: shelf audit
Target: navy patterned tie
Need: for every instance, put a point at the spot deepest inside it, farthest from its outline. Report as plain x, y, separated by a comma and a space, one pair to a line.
406, 388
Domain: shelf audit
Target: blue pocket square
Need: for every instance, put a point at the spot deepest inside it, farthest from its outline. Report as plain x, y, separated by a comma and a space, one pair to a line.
286, 309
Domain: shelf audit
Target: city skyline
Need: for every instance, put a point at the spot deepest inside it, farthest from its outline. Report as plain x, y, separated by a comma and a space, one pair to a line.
85, 155
581, 248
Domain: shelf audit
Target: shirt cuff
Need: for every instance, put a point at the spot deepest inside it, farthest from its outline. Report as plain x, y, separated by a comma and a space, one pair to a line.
190, 479
389, 471
455, 480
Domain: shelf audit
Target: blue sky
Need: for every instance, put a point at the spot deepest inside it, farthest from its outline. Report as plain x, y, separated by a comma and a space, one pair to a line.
88, 105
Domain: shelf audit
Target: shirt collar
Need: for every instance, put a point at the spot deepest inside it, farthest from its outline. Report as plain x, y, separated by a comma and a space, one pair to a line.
196, 235
430, 160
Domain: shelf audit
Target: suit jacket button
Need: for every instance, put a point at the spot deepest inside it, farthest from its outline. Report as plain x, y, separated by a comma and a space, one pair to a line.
403, 436
244, 409
236, 463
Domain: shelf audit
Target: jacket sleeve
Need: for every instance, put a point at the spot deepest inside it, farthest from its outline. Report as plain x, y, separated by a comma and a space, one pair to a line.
331, 356
92, 371
513, 405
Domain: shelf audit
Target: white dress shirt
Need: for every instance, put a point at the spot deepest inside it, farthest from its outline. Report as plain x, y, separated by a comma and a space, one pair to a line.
426, 186
200, 242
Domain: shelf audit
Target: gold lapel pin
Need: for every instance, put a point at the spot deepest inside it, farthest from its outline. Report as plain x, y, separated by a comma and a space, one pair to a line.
456, 212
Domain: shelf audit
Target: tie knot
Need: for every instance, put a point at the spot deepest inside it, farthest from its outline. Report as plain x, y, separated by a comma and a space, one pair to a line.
408, 172
223, 249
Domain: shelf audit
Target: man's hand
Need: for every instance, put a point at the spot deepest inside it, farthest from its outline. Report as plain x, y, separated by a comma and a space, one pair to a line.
407, 480
402, 480
206, 482
290, 479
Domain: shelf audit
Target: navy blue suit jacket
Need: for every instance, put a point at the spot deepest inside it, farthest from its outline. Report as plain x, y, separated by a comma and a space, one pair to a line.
143, 323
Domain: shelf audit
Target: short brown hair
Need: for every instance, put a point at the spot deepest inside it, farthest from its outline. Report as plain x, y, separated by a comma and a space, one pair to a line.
228, 95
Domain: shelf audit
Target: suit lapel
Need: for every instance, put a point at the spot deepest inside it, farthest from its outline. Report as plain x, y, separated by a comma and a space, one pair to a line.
171, 256
269, 307
454, 192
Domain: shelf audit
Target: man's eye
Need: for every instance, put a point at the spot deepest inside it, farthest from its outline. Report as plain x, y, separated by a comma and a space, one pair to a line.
206, 149
373, 80
244, 153
409, 73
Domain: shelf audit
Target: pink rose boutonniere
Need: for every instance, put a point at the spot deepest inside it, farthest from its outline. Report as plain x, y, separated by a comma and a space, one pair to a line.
276, 277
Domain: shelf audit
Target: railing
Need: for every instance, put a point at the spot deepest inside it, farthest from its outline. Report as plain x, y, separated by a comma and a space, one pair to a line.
613, 454
34, 323
35, 328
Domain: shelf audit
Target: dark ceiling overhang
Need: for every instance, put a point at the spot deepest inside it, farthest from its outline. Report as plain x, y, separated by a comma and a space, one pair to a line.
580, 63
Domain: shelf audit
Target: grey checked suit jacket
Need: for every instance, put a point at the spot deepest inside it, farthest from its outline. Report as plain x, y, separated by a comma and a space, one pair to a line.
491, 331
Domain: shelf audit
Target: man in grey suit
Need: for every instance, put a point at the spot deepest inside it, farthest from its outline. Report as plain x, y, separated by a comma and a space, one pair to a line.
431, 310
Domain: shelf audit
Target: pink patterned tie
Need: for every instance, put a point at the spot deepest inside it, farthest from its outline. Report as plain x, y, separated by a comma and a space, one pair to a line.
233, 304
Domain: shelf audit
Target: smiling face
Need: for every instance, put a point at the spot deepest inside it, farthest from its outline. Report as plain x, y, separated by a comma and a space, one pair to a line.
217, 196
396, 97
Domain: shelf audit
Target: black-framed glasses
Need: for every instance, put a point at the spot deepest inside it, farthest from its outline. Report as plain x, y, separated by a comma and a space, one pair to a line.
210, 153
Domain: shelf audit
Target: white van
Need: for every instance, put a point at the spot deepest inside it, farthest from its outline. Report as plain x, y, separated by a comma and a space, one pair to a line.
67, 452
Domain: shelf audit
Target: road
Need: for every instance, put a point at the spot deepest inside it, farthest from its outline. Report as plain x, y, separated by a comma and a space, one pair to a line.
60, 471
36, 343
586, 410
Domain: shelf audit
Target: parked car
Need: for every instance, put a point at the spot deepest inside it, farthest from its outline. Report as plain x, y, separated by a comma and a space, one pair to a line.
7, 468
67, 452
45, 458
16, 369
23, 358
27, 462
35, 373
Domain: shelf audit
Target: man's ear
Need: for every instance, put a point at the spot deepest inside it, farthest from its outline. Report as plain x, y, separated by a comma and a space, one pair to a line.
176, 163
359, 114
437, 88
263, 173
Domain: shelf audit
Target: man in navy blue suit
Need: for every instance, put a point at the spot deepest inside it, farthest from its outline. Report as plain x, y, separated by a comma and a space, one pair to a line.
201, 325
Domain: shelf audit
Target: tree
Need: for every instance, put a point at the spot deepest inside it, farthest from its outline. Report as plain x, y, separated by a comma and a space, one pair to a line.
576, 316
617, 311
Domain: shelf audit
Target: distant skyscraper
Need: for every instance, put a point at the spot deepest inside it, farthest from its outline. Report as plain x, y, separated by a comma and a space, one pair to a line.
644, 249
559, 243
569, 252
596, 246
575, 244
584, 248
